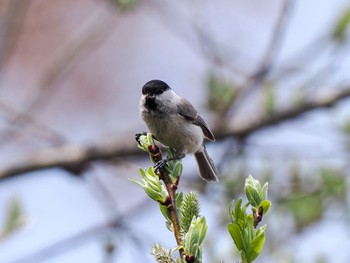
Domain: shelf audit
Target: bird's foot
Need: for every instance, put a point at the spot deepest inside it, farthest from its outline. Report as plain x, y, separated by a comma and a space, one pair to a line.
160, 165
138, 135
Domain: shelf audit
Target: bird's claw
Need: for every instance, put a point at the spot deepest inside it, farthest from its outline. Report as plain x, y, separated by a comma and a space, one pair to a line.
160, 165
138, 135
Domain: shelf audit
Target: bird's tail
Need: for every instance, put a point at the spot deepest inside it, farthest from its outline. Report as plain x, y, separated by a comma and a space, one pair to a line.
207, 169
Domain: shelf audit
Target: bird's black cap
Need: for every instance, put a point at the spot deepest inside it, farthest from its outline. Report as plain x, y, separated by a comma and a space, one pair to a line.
154, 87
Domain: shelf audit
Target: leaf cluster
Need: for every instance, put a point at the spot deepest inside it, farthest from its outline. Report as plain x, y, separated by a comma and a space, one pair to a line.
248, 239
189, 226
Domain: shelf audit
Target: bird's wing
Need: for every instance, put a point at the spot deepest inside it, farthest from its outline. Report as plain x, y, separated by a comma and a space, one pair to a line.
188, 112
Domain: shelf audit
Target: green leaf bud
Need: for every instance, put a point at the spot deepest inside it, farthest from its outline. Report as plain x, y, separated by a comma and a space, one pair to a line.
151, 184
194, 238
253, 191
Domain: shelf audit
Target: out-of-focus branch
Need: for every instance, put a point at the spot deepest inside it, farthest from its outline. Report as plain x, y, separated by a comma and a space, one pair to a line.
270, 55
71, 157
274, 45
41, 130
242, 130
203, 42
117, 223
11, 27
76, 157
90, 34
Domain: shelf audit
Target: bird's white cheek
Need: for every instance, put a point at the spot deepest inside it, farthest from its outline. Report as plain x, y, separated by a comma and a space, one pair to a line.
142, 102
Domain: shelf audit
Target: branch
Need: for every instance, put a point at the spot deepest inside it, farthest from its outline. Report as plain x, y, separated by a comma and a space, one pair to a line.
271, 53
243, 130
171, 189
274, 45
75, 157
114, 224
11, 26
71, 157
90, 34
37, 128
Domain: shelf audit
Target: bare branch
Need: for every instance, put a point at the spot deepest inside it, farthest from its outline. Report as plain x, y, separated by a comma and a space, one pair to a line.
274, 46
70, 157
115, 223
243, 130
28, 121
11, 28
91, 33
76, 157
271, 53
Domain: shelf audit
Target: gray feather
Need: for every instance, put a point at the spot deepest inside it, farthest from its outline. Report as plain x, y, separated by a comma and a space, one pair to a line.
206, 166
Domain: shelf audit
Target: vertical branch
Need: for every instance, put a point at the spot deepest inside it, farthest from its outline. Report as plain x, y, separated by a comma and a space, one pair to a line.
171, 187
275, 41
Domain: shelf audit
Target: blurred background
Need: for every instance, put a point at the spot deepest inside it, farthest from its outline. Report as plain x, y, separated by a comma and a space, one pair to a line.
271, 78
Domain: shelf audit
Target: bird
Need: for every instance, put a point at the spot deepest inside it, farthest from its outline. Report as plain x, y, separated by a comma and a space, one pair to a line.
175, 123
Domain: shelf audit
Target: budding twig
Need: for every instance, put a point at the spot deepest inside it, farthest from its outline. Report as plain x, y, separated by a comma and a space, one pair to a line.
171, 187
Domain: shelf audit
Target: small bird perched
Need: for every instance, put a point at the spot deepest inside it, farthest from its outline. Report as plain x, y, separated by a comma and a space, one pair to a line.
175, 123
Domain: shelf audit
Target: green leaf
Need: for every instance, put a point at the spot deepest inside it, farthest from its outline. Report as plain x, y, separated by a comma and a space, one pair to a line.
254, 192
252, 196
248, 240
306, 209
260, 230
340, 28
231, 212
236, 235
194, 238
346, 127
145, 142
142, 172
125, 4
177, 171
265, 189
265, 205
166, 214
201, 228
334, 184
220, 94
14, 218
255, 247
179, 199
151, 184
238, 211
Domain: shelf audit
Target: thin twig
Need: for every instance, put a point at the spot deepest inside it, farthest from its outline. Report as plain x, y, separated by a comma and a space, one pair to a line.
27, 120
173, 210
205, 44
90, 34
270, 55
274, 46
